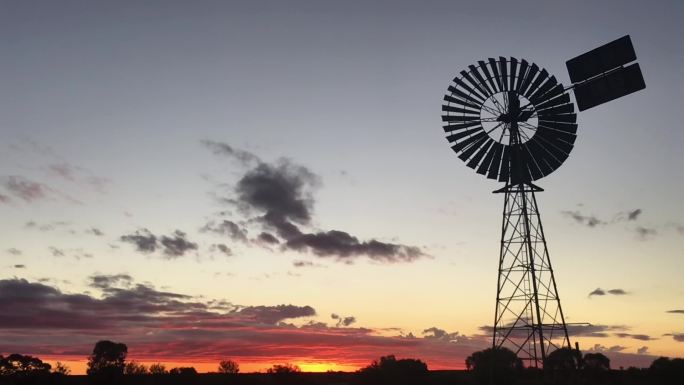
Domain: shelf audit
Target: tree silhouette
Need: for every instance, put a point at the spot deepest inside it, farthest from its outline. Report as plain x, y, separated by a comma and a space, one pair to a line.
61, 369
667, 371
133, 368
185, 371
228, 367
595, 361
157, 369
390, 370
21, 365
283, 369
495, 365
107, 360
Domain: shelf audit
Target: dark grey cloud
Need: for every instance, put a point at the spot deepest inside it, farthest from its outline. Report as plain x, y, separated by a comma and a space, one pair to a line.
599, 291
281, 194
176, 245
275, 314
143, 240
441, 334
578, 330
299, 263
19, 266
343, 245
14, 251
224, 149
603, 349
228, 228
283, 191
641, 337
267, 238
642, 350
102, 281
95, 231
676, 311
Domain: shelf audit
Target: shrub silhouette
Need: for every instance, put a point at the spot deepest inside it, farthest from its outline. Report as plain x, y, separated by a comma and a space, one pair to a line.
283, 369
595, 361
389, 370
667, 371
185, 371
133, 368
228, 367
494, 365
157, 369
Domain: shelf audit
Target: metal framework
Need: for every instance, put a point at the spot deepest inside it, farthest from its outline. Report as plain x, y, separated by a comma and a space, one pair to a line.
528, 318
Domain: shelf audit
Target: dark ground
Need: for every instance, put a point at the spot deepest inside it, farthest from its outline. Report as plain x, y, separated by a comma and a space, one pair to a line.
447, 377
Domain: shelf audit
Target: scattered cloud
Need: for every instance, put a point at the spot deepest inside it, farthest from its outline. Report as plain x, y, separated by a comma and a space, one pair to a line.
103, 281
14, 251
49, 226
641, 337
588, 220
19, 266
633, 215
56, 252
603, 349
222, 248
228, 228
343, 321
599, 291
176, 245
224, 149
95, 231
677, 311
644, 233
143, 240
267, 238
679, 337
25, 189
642, 350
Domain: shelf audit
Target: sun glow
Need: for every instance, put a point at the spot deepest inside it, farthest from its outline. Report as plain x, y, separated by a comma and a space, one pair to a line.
317, 366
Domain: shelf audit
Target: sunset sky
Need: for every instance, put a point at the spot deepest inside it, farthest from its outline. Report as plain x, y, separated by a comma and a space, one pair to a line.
268, 181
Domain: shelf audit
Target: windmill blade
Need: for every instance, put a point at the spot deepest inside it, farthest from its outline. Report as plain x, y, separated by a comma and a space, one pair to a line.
567, 108
495, 70
480, 93
514, 68
570, 128
470, 150
534, 169
563, 98
522, 74
543, 89
488, 75
566, 118
475, 160
467, 141
536, 83
505, 170
503, 68
552, 93
482, 83
484, 166
495, 165
461, 102
459, 118
463, 95
460, 126
460, 110
539, 153
534, 70
554, 142
460, 135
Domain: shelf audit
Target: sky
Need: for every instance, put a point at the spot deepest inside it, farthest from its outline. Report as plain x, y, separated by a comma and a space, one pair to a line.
269, 182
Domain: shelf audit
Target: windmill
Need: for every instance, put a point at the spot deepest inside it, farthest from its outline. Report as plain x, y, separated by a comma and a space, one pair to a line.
510, 120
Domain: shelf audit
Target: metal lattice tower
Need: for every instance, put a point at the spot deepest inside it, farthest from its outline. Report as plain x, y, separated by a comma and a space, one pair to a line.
528, 319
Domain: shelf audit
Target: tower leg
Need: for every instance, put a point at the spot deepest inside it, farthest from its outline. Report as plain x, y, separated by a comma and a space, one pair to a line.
528, 318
